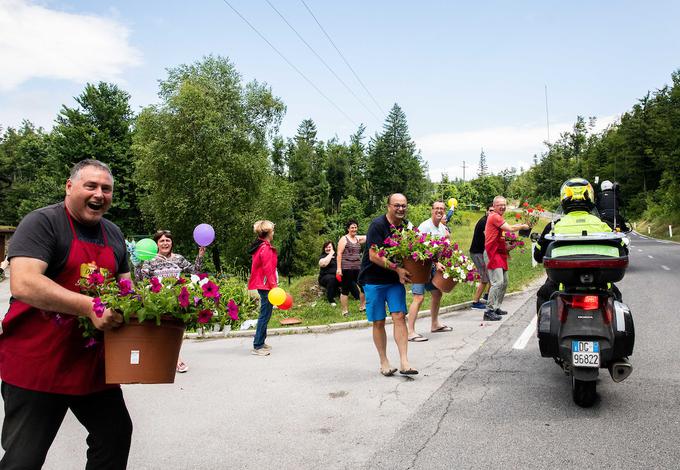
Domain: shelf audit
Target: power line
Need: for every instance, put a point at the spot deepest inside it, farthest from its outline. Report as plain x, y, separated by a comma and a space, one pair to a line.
343, 58
322, 60
290, 63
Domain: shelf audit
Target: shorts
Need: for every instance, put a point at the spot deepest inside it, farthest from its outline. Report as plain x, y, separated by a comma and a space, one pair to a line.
350, 282
419, 289
378, 294
478, 259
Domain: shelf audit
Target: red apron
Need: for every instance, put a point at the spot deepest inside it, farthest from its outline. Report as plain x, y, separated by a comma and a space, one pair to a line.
45, 351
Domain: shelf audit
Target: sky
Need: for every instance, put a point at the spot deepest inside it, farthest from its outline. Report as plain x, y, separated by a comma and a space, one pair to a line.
468, 75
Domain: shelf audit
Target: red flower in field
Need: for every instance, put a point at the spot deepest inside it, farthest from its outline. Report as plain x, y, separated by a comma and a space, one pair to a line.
204, 316
518, 215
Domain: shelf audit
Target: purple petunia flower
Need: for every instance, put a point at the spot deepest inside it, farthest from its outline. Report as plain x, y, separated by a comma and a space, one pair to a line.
183, 297
96, 279
232, 309
197, 300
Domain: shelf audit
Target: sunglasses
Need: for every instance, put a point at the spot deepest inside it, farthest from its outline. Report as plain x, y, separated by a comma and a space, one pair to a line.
160, 233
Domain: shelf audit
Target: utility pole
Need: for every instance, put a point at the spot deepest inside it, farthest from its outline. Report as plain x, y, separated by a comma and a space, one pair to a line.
463, 170
547, 118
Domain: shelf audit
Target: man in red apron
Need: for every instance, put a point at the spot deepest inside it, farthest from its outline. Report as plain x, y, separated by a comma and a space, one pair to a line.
46, 365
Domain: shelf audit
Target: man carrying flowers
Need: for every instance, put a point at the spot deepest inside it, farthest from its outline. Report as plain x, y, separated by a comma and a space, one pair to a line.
496, 257
383, 282
435, 227
45, 365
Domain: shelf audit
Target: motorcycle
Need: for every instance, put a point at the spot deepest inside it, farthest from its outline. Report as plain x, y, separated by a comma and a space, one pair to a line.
584, 327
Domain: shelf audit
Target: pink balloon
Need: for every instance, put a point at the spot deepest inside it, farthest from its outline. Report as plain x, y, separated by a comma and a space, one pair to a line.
204, 235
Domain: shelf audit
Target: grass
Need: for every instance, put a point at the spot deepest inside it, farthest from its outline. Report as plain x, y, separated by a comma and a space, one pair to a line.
659, 229
312, 308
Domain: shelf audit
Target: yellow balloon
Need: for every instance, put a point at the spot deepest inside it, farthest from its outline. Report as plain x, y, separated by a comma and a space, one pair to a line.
455, 203
277, 296
450, 202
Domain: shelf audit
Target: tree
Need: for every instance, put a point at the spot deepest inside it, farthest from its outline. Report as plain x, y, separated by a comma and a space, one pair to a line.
202, 152
394, 163
483, 167
100, 127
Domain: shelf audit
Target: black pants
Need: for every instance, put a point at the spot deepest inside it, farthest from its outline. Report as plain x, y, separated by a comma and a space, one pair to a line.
32, 420
547, 289
350, 279
331, 284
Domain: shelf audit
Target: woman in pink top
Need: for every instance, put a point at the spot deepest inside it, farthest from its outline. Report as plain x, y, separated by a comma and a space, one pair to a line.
263, 277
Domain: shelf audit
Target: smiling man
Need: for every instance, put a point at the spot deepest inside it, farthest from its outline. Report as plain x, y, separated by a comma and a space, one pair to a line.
46, 365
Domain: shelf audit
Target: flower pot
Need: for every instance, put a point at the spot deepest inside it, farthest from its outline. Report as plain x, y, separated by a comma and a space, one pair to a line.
420, 270
143, 353
525, 232
444, 285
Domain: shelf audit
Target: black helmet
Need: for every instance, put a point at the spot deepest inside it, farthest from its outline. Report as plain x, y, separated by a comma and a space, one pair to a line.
577, 194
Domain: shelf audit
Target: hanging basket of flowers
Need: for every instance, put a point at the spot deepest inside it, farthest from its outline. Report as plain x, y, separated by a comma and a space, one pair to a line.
415, 251
156, 313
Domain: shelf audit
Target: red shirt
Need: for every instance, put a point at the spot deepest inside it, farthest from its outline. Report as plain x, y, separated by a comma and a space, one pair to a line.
494, 242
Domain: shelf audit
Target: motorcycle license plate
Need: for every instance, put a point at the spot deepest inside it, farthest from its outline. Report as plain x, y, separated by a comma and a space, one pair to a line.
585, 353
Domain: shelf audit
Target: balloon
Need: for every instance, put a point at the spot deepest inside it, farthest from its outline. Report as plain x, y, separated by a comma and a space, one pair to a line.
453, 202
146, 249
204, 234
288, 303
277, 296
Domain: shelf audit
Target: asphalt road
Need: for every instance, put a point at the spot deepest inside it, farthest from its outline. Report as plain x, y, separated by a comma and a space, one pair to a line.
510, 408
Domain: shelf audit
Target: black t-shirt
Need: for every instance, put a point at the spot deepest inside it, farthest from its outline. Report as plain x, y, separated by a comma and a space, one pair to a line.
477, 245
331, 268
371, 273
45, 234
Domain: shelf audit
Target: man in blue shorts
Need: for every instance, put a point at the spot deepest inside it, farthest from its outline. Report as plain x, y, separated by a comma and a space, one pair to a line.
383, 282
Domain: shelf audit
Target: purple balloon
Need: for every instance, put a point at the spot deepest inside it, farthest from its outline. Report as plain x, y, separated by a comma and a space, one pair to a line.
204, 235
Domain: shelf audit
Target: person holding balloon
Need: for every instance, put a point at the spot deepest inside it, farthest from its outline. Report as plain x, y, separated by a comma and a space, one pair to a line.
264, 278
166, 264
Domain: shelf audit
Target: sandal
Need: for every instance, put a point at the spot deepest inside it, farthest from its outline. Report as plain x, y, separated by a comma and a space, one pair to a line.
345, 314
182, 367
417, 339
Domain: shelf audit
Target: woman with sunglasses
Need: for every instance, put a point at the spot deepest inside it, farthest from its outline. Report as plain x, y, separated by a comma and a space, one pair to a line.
169, 264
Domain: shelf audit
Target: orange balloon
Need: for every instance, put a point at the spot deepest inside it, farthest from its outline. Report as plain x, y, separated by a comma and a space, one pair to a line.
288, 303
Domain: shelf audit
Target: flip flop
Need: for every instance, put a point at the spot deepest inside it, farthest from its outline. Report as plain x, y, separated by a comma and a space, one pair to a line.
417, 339
408, 372
442, 329
388, 372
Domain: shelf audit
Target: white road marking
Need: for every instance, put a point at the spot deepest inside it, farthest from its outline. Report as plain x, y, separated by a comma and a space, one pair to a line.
639, 250
665, 267
650, 257
528, 332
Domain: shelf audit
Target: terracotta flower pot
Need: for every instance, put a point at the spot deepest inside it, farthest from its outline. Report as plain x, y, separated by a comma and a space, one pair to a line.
143, 353
444, 285
420, 270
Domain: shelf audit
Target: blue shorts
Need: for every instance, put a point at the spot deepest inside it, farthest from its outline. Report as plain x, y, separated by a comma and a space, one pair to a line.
378, 294
419, 289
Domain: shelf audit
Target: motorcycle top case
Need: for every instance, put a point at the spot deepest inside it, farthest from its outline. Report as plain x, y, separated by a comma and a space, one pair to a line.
570, 261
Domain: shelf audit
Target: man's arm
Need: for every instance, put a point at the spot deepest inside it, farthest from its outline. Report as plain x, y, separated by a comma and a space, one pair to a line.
404, 275
514, 228
29, 284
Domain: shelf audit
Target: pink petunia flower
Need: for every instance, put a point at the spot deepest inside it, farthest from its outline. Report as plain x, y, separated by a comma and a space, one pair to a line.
204, 316
96, 279
98, 307
125, 286
210, 289
197, 300
232, 309
91, 342
156, 285
183, 297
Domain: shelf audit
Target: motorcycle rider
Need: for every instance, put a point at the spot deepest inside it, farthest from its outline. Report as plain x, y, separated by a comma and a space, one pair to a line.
577, 199
608, 203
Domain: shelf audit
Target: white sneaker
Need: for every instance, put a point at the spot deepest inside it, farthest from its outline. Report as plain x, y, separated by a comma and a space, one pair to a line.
260, 352
333, 304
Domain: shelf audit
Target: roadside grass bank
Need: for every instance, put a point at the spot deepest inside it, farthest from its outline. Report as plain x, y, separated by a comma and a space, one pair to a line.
658, 228
312, 308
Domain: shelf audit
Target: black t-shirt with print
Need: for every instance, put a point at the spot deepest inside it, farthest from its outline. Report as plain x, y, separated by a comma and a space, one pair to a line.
45, 234
371, 273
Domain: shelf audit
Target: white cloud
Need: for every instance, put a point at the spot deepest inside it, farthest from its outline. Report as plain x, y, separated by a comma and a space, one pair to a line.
36, 42
504, 147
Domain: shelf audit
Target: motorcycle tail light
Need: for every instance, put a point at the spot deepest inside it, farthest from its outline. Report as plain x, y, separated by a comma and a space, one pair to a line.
585, 302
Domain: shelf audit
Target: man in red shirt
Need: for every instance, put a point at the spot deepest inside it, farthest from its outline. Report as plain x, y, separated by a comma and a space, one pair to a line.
496, 257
